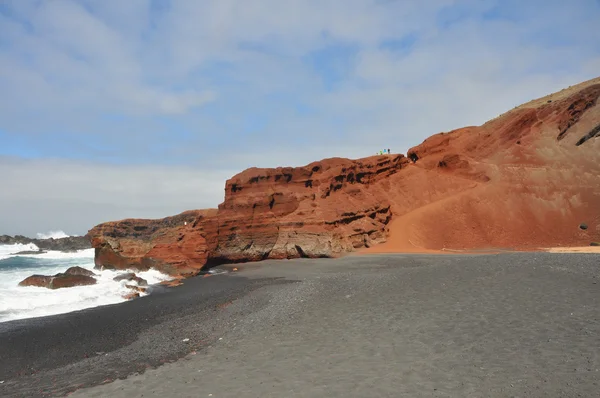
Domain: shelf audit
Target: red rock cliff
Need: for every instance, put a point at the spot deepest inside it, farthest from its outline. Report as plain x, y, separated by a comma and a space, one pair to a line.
523, 180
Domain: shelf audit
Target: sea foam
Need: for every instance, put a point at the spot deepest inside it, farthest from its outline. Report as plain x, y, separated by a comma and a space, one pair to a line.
7, 251
18, 302
52, 235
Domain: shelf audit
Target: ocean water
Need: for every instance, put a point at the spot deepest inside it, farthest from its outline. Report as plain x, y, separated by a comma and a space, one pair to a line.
18, 302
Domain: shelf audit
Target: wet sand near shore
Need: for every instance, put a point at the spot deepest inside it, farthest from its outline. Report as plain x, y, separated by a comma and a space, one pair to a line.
584, 249
511, 324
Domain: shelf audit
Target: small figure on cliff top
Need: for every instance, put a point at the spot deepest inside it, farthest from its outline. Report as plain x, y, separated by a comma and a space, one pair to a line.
389, 151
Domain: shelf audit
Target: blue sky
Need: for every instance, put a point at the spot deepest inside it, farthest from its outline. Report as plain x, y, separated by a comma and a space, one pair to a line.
96, 95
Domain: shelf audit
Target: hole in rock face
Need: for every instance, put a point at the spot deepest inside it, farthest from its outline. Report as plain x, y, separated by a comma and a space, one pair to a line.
413, 156
308, 184
272, 202
583, 226
315, 169
361, 176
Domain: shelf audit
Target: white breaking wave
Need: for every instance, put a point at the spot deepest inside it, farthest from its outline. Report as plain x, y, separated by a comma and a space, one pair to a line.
18, 302
53, 235
7, 251
55, 255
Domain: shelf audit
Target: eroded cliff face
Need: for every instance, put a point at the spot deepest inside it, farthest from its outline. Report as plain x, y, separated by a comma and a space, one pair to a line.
523, 180
323, 209
320, 210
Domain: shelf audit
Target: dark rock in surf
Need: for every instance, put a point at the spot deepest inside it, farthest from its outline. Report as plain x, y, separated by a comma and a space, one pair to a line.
129, 277
58, 281
78, 271
30, 252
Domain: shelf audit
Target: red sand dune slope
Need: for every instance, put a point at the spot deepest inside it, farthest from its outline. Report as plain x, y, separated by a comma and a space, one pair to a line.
524, 180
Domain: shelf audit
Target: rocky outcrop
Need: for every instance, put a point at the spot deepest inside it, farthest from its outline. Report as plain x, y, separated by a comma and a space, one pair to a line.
68, 244
321, 210
174, 245
522, 180
58, 281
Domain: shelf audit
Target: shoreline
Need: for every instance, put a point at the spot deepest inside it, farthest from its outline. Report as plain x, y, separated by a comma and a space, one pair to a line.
90, 346
409, 325
175, 281
264, 305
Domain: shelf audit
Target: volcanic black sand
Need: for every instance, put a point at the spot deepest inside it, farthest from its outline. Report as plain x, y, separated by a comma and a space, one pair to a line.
504, 325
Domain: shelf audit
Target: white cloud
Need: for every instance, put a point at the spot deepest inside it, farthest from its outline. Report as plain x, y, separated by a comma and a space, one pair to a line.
42, 195
72, 60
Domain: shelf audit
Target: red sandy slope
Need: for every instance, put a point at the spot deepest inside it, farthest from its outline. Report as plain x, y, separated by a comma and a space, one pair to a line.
524, 180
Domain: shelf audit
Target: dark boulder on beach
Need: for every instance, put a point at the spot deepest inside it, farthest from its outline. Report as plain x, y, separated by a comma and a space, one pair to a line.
58, 281
131, 277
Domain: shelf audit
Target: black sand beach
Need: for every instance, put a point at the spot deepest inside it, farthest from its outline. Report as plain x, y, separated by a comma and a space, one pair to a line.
518, 324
